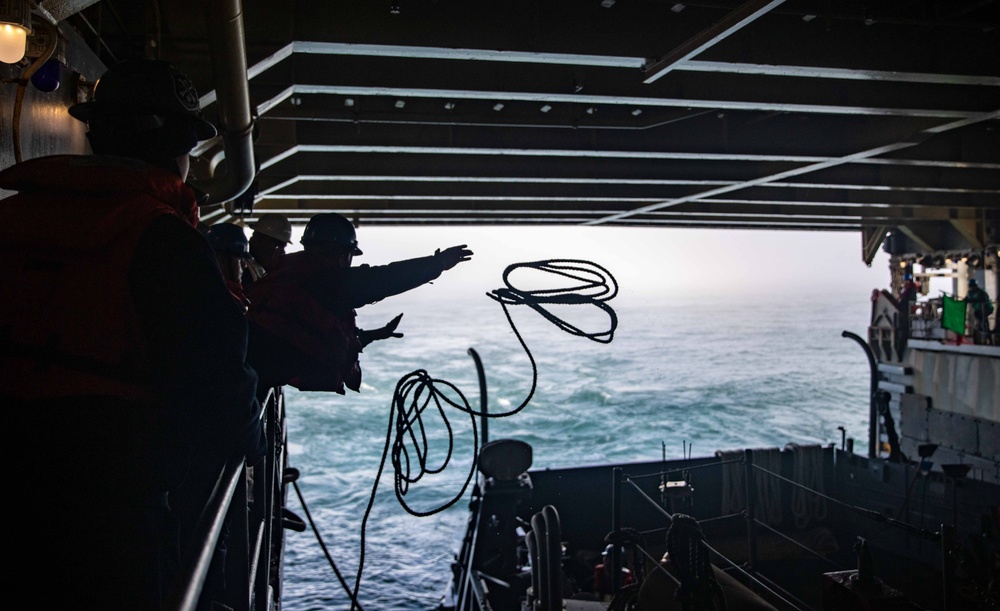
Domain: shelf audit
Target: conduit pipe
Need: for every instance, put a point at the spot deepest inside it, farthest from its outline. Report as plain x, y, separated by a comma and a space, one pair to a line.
227, 46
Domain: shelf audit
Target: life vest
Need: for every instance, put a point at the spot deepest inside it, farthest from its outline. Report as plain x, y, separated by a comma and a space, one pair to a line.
68, 326
280, 304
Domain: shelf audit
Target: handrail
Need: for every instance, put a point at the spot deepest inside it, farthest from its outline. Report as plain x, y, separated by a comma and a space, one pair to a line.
255, 534
215, 513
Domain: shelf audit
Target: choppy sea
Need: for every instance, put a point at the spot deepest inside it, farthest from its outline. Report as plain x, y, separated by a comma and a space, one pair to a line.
686, 374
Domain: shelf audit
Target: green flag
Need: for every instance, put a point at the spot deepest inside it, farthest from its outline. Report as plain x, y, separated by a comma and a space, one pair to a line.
953, 315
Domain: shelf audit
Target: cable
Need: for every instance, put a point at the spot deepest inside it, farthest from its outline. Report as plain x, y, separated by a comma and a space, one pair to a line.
590, 284
326, 552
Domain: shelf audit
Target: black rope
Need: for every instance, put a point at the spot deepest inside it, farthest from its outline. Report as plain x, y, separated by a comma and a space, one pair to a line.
326, 552
406, 439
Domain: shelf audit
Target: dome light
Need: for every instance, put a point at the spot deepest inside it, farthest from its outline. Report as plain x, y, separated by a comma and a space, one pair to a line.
15, 25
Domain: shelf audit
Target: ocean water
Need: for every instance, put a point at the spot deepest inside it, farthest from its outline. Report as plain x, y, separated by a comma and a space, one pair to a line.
698, 375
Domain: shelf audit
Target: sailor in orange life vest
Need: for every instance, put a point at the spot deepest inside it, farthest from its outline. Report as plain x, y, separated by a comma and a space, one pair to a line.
271, 233
302, 313
232, 250
122, 355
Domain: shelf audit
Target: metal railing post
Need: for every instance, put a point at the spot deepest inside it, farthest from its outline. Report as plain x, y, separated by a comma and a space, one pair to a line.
751, 500
616, 523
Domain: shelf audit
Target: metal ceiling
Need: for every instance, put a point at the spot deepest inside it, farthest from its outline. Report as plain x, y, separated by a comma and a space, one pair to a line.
823, 115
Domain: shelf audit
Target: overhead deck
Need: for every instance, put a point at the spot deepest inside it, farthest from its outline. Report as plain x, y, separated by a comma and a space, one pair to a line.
836, 116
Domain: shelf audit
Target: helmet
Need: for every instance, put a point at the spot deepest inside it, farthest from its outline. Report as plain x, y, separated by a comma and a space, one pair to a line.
148, 91
972, 282
331, 228
230, 238
275, 226
907, 276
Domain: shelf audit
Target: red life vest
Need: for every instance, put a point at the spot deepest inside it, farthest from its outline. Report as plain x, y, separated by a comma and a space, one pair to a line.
280, 304
68, 326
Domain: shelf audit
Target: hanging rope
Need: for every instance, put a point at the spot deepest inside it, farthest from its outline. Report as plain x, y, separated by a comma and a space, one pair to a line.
407, 440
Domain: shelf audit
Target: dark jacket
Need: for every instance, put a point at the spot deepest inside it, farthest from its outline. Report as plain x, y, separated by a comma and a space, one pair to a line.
302, 317
138, 383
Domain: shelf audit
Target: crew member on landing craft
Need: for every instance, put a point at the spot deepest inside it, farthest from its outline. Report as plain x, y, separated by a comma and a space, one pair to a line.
271, 233
122, 355
302, 313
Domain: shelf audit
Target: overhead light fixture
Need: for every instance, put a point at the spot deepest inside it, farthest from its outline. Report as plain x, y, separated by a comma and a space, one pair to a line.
15, 25
607, 3
400, 103
808, 18
498, 106
349, 102
449, 106
869, 21
591, 110
636, 112
678, 7
545, 108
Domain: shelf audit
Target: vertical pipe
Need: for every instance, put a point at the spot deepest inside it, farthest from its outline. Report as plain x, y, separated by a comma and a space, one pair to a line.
872, 385
947, 565
542, 594
751, 500
614, 558
227, 45
553, 543
483, 403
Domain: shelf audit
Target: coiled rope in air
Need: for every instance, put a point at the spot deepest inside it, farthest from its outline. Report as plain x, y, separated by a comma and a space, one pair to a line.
584, 283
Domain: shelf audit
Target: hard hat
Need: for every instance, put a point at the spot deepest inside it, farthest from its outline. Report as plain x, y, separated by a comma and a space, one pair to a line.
275, 226
331, 228
907, 276
230, 238
147, 92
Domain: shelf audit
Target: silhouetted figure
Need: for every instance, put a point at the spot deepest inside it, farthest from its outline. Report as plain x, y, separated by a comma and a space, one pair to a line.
123, 355
271, 233
302, 316
232, 251
979, 301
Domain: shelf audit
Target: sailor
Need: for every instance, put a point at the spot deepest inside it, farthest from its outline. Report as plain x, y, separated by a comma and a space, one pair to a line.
122, 355
981, 306
302, 314
232, 251
271, 234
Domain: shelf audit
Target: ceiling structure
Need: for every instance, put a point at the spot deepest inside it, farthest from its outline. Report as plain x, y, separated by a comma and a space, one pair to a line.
870, 117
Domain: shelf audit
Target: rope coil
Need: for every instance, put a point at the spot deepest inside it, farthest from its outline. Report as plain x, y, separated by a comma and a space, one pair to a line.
406, 439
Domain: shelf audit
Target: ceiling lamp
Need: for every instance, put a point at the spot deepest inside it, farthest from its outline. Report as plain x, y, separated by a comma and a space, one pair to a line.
15, 25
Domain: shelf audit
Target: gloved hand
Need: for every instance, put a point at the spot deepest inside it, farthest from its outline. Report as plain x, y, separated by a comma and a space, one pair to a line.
366, 337
450, 257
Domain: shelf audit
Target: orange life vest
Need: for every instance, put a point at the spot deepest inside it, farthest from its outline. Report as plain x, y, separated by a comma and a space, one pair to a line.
68, 326
280, 304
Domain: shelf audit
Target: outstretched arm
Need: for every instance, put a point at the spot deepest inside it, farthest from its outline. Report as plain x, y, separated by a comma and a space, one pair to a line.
450, 257
367, 337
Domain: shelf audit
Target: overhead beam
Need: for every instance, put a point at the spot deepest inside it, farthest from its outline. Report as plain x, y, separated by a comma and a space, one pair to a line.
871, 240
970, 229
745, 14
858, 157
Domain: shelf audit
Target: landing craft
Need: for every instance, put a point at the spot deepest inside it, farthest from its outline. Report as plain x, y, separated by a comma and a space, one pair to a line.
876, 118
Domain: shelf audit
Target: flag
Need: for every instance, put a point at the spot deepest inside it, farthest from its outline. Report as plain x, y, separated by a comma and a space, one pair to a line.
953, 315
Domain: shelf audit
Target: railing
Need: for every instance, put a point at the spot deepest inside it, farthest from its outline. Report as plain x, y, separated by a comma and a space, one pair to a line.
749, 572
248, 521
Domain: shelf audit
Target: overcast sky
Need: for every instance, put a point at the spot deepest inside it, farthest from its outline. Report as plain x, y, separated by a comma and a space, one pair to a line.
649, 264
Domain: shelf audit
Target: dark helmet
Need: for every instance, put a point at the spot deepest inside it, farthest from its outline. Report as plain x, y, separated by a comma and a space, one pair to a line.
228, 238
907, 276
148, 93
332, 229
973, 283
